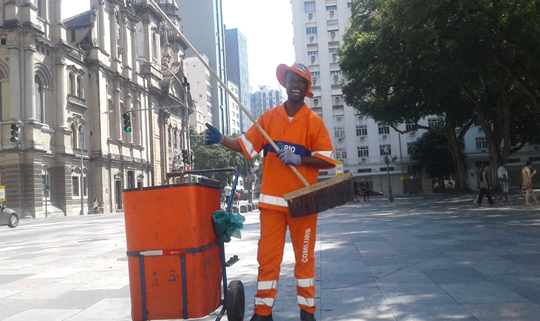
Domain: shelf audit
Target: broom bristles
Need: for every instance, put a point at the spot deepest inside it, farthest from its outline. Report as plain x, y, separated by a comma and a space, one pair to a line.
322, 196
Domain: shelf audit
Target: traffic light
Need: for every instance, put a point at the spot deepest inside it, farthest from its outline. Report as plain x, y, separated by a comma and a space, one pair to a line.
184, 156
127, 122
15, 133
48, 188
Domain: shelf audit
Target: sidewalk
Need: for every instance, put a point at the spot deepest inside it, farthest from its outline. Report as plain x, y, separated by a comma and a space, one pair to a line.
418, 258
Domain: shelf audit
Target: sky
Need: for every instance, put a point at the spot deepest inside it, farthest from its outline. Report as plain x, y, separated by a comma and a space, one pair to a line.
267, 26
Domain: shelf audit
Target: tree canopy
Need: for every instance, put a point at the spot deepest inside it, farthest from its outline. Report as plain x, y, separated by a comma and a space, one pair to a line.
465, 61
217, 156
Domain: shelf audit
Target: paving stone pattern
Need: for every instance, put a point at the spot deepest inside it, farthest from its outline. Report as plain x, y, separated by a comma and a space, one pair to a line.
418, 258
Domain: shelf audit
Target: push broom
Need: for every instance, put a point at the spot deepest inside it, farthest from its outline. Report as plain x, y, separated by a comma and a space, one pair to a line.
309, 200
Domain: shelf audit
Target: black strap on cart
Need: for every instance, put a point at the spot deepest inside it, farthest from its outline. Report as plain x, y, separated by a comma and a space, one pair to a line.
182, 253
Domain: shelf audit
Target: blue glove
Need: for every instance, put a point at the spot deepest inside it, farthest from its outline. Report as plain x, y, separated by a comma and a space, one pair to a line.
288, 157
212, 135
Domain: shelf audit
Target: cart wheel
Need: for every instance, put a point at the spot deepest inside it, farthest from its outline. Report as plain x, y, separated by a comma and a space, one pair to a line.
235, 303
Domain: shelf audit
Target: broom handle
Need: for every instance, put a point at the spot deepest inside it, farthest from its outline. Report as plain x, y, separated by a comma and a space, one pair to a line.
231, 94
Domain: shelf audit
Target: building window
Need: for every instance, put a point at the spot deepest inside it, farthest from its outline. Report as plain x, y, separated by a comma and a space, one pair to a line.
309, 7
312, 53
384, 148
349, 5
39, 99
74, 136
333, 50
79, 86
75, 185
383, 130
71, 83
341, 153
73, 35
335, 72
315, 74
410, 126
361, 130
363, 151
481, 143
433, 122
39, 8
329, 8
311, 30
339, 132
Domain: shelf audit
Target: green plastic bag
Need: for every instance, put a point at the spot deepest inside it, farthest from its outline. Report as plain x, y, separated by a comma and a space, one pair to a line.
228, 224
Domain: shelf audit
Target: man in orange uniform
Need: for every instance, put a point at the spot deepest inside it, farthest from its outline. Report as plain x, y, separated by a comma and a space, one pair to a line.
303, 142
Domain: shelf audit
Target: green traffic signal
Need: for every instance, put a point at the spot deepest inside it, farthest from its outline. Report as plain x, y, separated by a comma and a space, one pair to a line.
127, 122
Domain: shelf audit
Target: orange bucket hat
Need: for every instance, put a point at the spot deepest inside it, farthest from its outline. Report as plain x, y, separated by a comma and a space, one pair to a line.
298, 68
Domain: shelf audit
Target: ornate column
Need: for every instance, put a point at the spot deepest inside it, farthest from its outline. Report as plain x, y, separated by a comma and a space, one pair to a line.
15, 81
61, 96
114, 39
28, 78
101, 18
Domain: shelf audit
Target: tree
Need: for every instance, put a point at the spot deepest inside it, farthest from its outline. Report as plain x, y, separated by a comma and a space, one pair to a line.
217, 156
405, 60
432, 153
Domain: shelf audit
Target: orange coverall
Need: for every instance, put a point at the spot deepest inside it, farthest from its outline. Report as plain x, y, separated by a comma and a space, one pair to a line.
305, 135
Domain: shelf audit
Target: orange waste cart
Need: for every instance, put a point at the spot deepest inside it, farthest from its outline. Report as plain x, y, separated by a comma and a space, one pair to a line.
176, 263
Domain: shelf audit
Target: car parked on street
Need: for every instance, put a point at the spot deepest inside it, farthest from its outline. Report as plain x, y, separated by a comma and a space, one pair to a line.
8, 217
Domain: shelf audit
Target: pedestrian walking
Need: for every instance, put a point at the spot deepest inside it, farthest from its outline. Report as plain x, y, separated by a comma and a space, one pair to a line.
502, 174
303, 142
483, 185
357, 191
365, 190
527, 182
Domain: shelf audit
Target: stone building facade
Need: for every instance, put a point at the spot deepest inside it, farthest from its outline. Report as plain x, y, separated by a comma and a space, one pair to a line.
66, 86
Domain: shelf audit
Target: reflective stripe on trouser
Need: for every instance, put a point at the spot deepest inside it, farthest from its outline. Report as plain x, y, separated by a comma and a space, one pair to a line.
270, 254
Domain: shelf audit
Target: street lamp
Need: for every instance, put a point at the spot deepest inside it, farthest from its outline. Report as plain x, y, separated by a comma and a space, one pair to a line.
387, 161
81, 131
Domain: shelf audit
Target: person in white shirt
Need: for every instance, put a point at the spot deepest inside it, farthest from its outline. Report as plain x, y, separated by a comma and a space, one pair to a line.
228, 190
502, 173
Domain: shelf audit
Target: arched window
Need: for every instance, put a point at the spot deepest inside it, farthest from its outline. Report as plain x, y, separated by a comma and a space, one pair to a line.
71, 83
79, 87
39, 99
74, 136
111, 120
154, 47
39, 8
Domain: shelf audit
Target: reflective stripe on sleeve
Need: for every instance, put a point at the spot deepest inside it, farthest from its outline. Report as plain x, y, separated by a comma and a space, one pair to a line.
274, 200
269, 302
306, 301
249, 147
267, 285
329, 154
304, 283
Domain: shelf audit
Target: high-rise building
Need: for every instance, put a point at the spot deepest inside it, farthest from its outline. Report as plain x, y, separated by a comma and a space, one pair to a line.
265, 99
359, 142
238, 70
234, 110
202, 24
201, 91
